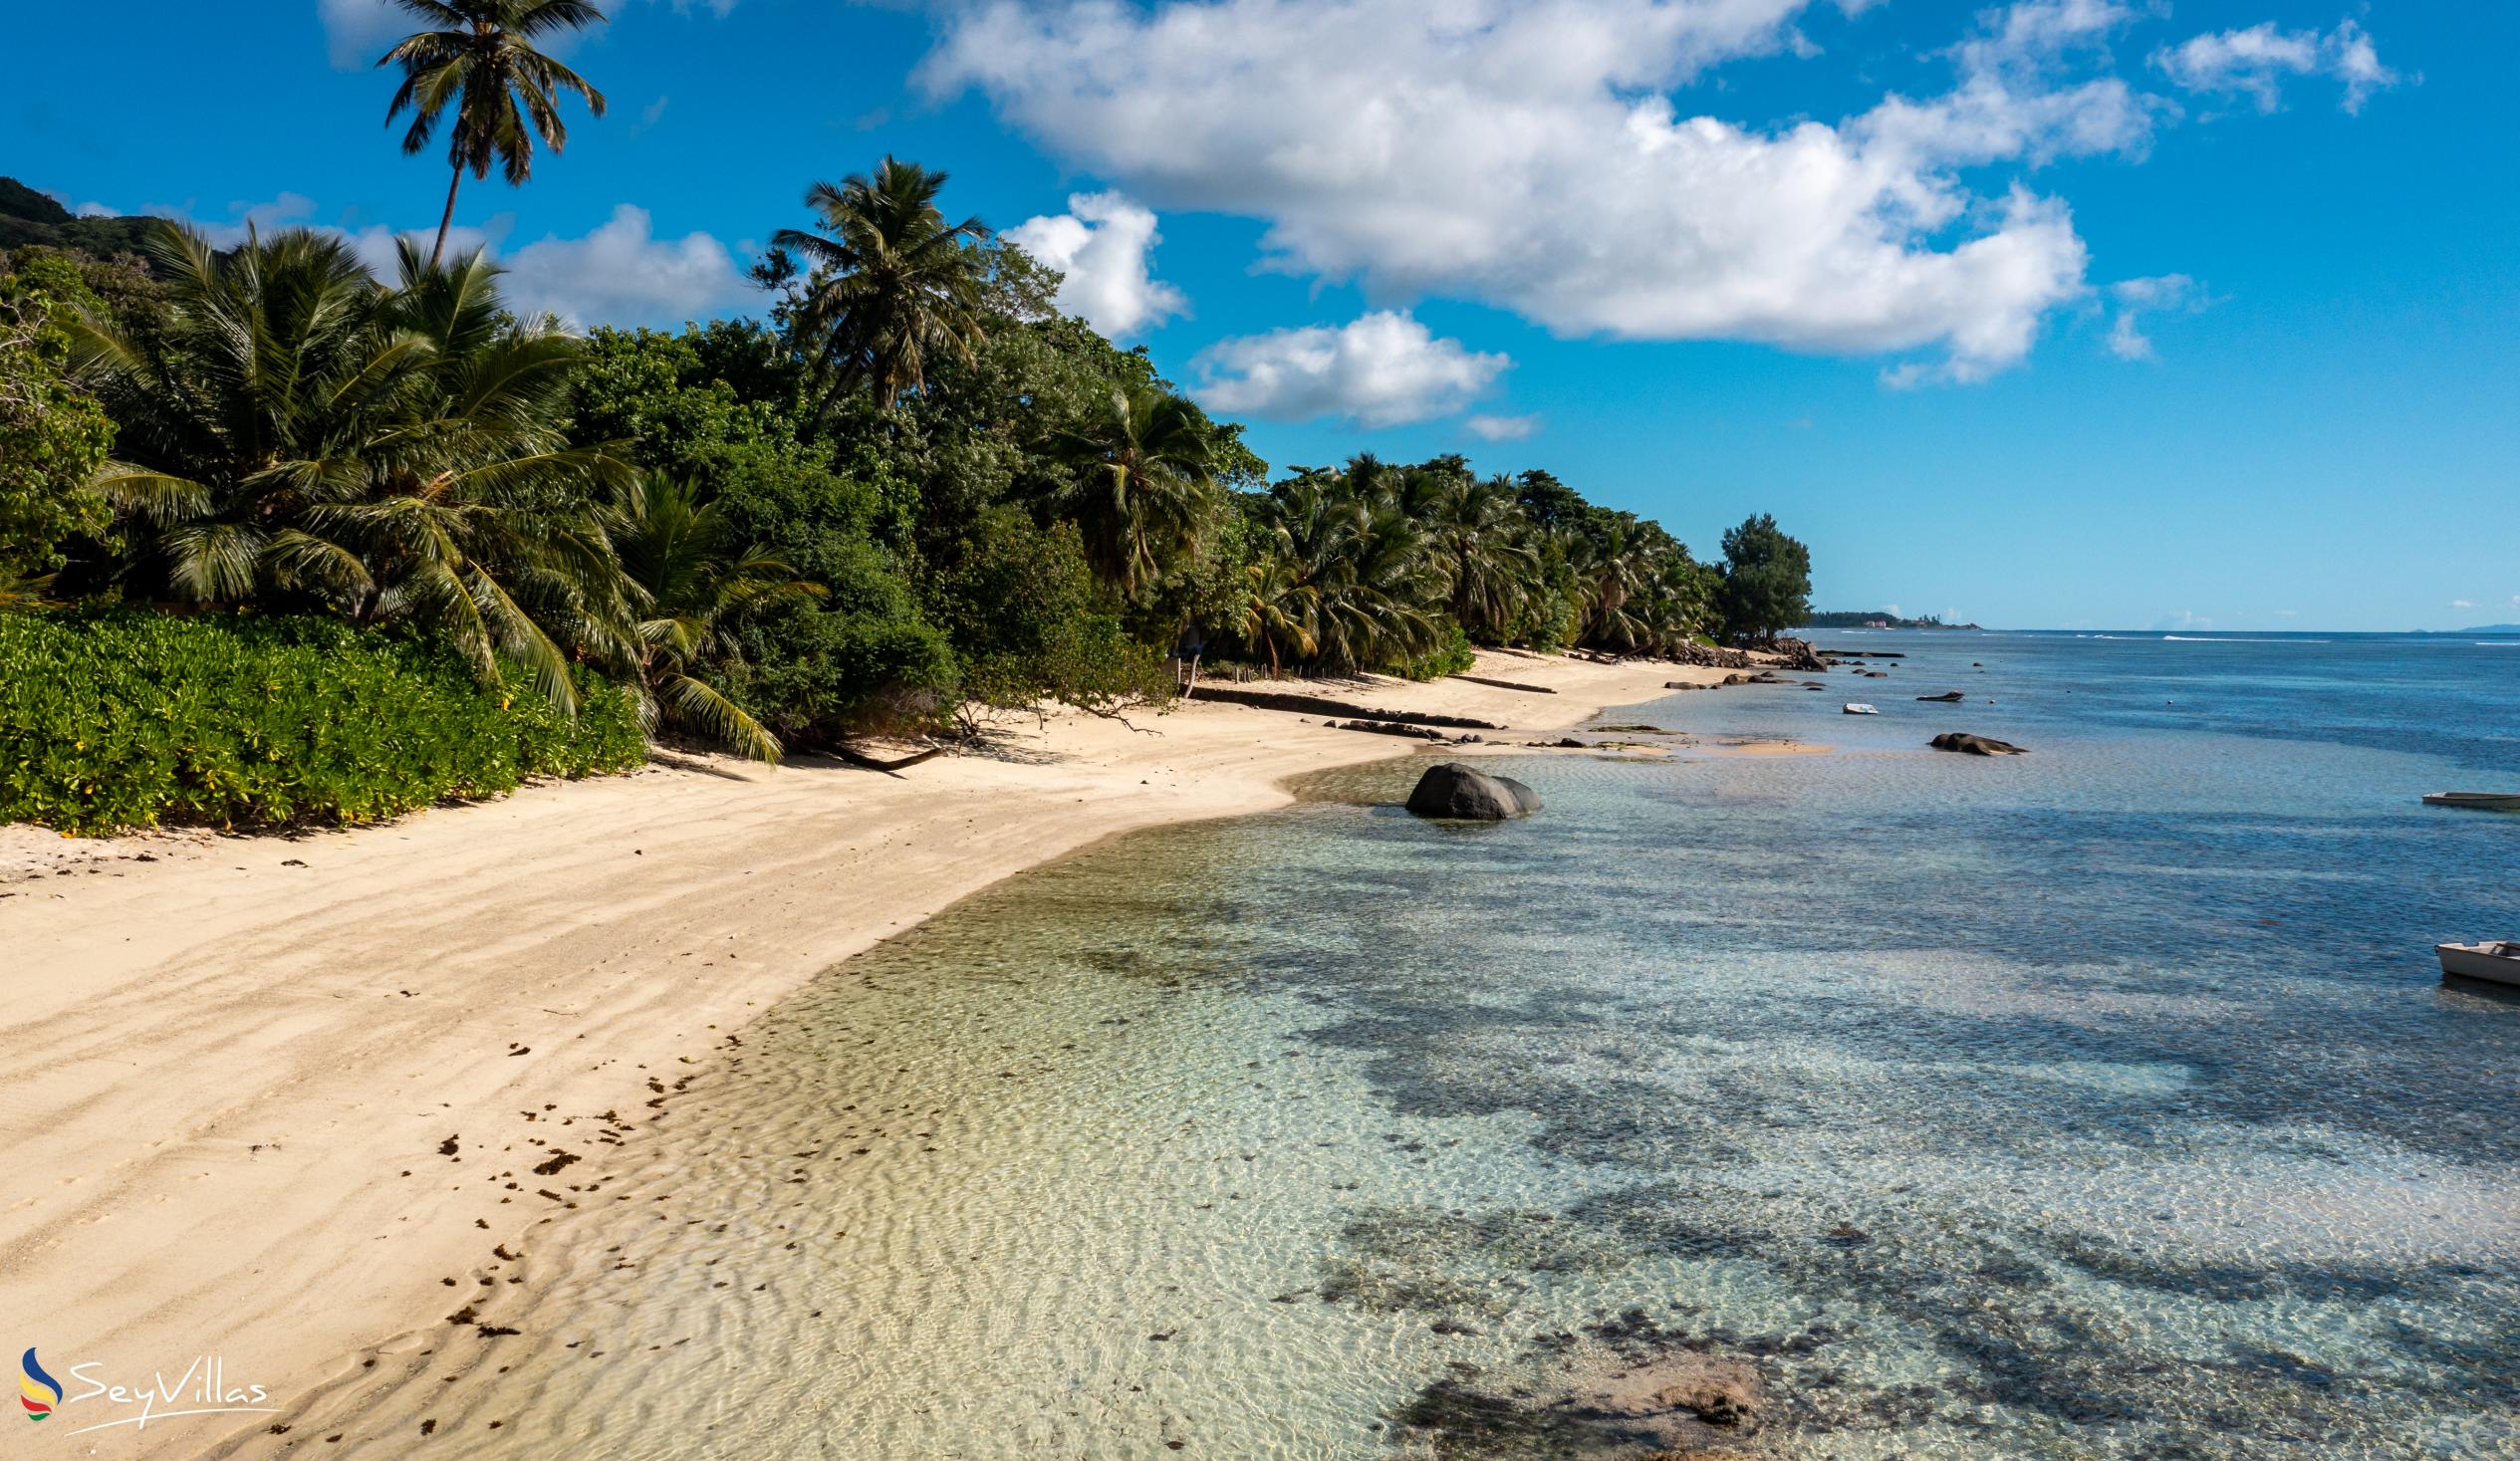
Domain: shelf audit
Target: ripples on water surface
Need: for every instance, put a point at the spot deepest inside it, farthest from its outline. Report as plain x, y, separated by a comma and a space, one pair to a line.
2100, 1102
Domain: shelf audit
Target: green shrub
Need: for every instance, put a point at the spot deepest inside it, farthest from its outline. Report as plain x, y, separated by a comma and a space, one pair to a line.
1451, 655
118, 719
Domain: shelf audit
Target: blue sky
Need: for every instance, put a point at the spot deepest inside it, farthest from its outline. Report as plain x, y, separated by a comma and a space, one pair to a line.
2060, 314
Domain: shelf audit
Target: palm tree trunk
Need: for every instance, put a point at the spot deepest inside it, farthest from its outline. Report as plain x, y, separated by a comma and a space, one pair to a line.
447, 220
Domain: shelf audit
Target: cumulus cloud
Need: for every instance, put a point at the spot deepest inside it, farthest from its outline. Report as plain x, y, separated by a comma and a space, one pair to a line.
1503, 428
357, 32
1528, 154
1383, 370
1101, 244
2134, 298
2257, 61
2461, 603
621, 272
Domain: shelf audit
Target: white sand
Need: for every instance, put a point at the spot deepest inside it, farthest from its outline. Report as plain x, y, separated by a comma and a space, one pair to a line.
229, 1075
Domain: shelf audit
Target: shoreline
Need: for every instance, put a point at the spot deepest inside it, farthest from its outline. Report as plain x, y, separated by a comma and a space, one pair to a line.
275, 1094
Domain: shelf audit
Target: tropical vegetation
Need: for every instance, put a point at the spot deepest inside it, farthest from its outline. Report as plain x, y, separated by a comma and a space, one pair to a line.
122, 718
906, 494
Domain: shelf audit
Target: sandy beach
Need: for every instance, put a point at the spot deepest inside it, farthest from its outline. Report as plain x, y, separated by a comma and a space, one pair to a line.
270, 1097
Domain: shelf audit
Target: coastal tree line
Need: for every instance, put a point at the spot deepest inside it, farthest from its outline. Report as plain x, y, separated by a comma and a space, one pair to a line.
908, 488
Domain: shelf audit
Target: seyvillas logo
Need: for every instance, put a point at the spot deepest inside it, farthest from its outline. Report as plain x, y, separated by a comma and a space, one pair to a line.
38, 1391
201, 1388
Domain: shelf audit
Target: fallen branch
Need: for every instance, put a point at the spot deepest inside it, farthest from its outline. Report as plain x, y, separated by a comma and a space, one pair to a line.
1480, 680
1323, 706
872, 763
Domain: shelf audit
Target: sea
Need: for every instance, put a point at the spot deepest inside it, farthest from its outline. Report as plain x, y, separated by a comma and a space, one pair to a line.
2103, 1102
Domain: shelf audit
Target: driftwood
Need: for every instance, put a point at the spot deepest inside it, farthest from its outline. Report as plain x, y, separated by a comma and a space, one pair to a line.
1388, 728
1324, 705
872, 763
1480, 680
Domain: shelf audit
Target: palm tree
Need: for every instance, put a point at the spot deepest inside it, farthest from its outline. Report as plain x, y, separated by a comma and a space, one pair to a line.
481, 61
1374, 592
294, 432
1474, 529
894, 285
1273, 608
1142, 484
689, 588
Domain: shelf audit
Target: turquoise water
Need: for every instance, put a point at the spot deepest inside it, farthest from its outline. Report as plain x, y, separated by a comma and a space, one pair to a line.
2100, 1102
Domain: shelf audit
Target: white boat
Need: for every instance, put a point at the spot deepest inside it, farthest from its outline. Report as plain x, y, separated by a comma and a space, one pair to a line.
2499, 962
1857, 707
2479, 800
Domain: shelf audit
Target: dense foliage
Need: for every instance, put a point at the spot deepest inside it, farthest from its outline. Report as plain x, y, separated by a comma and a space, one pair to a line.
911, 494
53, 435
127, 719
1767, 580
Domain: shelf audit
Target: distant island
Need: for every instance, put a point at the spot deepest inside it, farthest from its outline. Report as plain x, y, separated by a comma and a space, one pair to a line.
1879, 618
2490, 629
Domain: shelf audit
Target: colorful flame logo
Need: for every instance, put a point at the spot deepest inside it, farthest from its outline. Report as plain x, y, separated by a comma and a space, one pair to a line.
39, 1392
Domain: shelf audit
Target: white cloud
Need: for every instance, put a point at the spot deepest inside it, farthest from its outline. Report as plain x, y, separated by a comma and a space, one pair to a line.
1102, 245
619, 274
2137, 296
2461, 603
2256, 62
622, 274
357, 32
288, 211
1528, 154
2013, 100
1503, 428
1383, 370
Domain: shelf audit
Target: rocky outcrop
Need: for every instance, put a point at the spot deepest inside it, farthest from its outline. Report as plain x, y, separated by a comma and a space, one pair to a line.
1711, 657
1467, 794
1798, 654
1969, 745
1948, 698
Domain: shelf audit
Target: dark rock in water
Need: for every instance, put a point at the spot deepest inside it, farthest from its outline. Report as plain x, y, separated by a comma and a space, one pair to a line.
1948, 698
1467, 794
1969, 745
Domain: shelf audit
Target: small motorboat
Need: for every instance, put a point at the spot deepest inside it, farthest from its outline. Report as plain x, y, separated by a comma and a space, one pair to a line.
2477, 800
1857, 707
2499, 962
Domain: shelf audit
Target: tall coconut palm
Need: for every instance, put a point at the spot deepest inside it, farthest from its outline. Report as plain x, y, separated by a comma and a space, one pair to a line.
1375, 593
690, 586
294, 432
1141, 484
893, 283
481, 62
1273, 608
1474, 529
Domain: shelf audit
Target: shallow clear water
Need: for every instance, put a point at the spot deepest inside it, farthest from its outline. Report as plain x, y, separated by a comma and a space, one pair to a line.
2100, 1102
